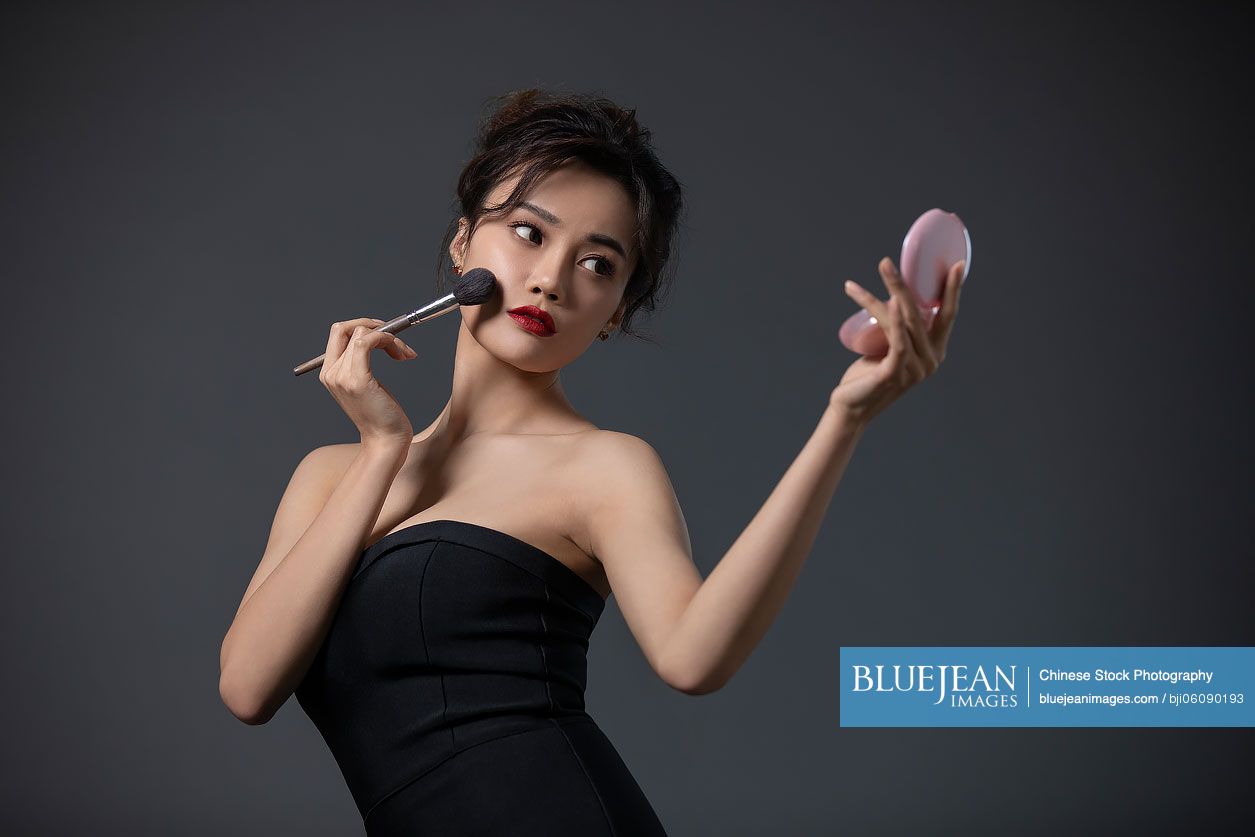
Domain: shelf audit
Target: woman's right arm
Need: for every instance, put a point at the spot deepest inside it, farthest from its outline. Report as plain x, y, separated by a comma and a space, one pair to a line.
327, 512
288, 607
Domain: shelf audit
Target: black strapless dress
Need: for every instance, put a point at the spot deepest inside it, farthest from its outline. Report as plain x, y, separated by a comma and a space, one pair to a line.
450, 689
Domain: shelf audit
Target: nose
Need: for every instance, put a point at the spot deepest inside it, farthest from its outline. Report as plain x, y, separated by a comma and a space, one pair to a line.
547, 278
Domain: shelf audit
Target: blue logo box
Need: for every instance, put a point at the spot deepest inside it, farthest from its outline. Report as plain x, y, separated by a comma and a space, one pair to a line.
1064, 686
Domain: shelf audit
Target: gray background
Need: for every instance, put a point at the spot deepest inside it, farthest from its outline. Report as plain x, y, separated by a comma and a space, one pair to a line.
193, 192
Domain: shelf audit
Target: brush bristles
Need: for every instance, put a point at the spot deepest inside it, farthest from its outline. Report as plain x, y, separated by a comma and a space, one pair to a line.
476, 287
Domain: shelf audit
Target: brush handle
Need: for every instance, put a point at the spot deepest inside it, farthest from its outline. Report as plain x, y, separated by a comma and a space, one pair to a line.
394, 326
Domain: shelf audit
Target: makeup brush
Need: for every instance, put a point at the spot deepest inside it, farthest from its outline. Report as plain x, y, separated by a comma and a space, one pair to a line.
476, 288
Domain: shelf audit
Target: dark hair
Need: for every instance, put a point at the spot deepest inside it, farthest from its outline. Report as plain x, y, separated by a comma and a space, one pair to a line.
533, 132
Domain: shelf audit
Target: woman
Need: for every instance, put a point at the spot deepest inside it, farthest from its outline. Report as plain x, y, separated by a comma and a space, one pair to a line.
429, 597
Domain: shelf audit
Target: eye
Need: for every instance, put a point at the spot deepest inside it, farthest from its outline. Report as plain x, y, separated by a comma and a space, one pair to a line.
524, 225
521, 225
609, 265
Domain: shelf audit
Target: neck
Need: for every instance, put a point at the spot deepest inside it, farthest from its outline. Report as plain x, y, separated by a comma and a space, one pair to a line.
492, 396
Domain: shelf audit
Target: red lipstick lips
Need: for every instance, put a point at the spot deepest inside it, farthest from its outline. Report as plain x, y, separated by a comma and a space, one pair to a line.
536, 320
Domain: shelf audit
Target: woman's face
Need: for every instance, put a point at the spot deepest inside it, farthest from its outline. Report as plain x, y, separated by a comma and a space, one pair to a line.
559, 254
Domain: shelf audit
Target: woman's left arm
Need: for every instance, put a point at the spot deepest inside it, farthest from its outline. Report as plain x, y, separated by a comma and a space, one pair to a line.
696, 633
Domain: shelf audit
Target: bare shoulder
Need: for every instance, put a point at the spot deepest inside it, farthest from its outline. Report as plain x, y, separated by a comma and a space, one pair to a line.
339, 452
621, 477
321, 470
610, 451
329, 462
310, 485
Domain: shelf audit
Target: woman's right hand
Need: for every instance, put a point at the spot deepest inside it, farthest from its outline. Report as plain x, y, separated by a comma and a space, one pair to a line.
346, 374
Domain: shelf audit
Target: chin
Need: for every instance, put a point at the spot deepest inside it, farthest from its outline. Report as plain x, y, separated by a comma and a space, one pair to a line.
521, 350
511, 344
536, 358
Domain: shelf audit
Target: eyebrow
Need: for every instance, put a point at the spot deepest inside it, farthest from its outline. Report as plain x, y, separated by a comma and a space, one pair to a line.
595, 238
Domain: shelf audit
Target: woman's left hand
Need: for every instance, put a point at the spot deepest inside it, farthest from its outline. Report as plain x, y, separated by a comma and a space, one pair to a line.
915, 351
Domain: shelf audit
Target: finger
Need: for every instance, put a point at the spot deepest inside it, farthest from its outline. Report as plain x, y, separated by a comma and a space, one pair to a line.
396, 348
907, 358
944, 322
867, 300
896, 286
357, 354
338, 339
403, 350
908, 306
896, 332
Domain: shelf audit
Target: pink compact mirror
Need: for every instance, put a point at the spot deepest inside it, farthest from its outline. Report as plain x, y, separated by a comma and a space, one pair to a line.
932, 245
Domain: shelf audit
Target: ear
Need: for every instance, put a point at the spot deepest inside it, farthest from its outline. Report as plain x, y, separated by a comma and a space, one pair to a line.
457, 247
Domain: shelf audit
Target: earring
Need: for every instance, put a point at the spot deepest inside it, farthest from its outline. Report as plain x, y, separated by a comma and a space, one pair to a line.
603, 335
457, 268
